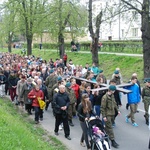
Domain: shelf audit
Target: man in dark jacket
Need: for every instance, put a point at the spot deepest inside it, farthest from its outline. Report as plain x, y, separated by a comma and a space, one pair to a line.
61, 102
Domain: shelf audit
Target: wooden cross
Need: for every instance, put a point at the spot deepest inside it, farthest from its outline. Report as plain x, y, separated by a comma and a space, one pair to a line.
106, 86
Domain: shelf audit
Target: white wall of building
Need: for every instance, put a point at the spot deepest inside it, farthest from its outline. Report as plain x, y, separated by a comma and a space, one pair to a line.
125, 28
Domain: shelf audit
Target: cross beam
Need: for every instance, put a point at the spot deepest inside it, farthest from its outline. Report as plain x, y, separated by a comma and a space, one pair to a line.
106, 86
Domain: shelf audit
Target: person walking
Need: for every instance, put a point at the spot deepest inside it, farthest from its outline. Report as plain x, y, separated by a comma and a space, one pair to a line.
12, 81
108, 107
2, 83
34, 95
133, 100
65, 57
20, 85
146, 99
60, 105
84, 113
71, 107
51, 80
26, 88
44, 89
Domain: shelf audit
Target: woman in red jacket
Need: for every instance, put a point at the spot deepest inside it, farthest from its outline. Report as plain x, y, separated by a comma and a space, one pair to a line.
34, 95
76, 89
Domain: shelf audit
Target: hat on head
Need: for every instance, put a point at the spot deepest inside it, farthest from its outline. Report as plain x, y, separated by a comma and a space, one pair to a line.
116, 72
51, 71
147, 80
59, 78
100, 71
68, 84
89, 69
112, 87
95, 129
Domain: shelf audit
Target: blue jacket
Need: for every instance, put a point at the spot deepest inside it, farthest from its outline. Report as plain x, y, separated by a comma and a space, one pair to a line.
134, 97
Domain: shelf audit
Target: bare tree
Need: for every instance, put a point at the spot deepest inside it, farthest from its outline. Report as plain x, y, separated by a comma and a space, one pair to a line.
144, 11
94, 35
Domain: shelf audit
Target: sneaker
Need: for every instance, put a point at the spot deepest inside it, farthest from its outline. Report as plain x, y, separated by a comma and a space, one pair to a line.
135, 124
82, 144
60, 127
71, 123
127, 119
68, 137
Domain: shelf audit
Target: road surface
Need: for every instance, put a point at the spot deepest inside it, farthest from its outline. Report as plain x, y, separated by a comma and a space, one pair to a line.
128, 137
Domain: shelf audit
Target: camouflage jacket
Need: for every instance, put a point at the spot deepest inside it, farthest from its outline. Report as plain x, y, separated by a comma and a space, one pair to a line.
108, 105
146, 93
50, 81
72, 95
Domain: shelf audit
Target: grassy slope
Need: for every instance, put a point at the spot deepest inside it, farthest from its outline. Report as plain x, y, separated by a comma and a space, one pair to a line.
108, 63
16, 133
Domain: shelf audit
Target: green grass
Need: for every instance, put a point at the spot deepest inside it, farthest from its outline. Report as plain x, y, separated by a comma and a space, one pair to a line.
17, 132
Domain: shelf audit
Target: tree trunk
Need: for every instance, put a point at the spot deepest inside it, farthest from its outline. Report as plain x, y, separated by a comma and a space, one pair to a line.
94, 35
146, 37
9, 42
29, 46
95, 51
61, 45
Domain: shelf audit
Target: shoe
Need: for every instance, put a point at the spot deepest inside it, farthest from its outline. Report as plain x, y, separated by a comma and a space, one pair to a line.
70, 123
135, 124
41, 119
127, 106
36, 122
68, 137
127, 119
147, 122
114, 144
82, 144
56, 133
114, 124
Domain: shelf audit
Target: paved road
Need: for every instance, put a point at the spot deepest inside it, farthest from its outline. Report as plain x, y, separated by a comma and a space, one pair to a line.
129, 137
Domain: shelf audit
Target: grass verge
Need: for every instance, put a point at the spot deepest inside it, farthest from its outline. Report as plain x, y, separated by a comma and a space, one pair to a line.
18, 132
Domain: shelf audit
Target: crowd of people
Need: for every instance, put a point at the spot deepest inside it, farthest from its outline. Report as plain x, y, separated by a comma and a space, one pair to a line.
27, 78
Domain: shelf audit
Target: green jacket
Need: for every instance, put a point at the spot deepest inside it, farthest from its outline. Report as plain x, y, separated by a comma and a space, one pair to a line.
146, 93
108, 105
72, 95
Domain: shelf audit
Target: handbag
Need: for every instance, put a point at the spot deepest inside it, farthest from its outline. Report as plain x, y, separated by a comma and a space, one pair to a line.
42, 104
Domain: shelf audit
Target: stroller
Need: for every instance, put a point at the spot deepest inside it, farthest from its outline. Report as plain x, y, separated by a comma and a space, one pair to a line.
97, 142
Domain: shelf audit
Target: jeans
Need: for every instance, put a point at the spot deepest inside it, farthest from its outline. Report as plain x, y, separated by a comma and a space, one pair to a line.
37, 113
97, 109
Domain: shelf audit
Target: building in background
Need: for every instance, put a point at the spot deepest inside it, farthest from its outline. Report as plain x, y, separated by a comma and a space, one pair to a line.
125, 26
